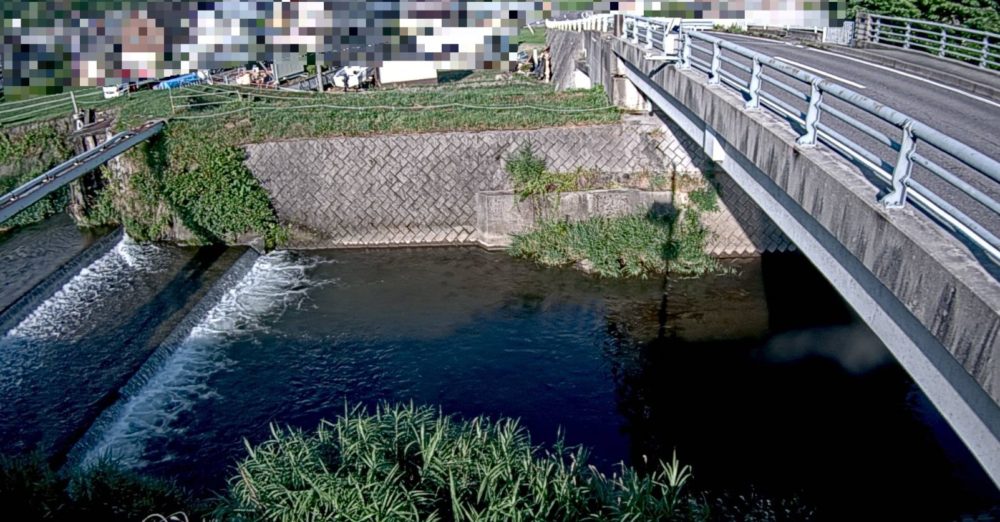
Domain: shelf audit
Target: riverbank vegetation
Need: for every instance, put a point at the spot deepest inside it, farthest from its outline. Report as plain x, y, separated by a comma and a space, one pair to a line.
194, 171
659, 241
25, 156
400, 462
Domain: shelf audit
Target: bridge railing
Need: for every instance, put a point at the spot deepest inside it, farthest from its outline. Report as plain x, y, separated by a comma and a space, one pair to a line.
767, 82
981, 48
594, 22
654, 34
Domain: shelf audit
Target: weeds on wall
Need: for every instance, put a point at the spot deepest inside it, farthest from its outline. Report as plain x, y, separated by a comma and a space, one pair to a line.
26, 156
640, 245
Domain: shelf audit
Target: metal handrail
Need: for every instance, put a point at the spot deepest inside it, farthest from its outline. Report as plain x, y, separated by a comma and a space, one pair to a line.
945, 39
912, 132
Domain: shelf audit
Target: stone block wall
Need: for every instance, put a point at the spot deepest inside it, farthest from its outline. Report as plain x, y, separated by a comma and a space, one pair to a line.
421, 188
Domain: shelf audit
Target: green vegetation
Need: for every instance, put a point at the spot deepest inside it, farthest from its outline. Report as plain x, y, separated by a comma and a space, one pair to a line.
983, 15
24, 157
30, 489
195, 168
535, 35
660, 241
401, 462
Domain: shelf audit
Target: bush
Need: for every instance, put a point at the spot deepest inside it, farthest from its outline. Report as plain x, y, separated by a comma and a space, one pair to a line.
413, 463
629, 246
25, 157
31, 489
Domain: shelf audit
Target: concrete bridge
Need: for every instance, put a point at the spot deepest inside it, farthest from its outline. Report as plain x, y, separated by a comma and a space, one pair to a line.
907, 233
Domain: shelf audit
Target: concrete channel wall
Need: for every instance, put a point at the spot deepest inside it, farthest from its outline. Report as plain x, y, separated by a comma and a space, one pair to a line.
413, 189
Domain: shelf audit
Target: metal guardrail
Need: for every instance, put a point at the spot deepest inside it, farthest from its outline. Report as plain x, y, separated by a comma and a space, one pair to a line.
654, 34
952, 41
24, 196
720, 70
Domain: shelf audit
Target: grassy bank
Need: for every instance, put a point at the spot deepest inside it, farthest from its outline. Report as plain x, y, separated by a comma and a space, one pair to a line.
401, 462
24, 157
194, 171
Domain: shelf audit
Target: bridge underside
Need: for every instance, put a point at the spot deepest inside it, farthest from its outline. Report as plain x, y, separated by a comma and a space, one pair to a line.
919, 289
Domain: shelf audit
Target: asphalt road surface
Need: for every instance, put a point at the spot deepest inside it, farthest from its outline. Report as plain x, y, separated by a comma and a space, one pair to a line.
968, 118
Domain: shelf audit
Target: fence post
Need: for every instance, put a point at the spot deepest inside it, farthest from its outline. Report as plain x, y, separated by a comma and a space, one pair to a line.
754, 101
901, 174
906, 38
635, 31
986, 52
716, 63
812, 116
649, 34
944, 39
72, 97
686, 50
878, 30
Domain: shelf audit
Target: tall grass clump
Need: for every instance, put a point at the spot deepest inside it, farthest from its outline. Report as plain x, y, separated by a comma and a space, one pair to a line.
406, 462
31, 490
637, 245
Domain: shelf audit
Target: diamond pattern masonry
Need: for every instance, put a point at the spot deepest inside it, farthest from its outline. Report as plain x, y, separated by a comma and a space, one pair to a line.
413, 189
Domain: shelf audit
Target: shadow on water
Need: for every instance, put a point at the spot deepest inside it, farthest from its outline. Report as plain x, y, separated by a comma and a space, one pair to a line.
813, 406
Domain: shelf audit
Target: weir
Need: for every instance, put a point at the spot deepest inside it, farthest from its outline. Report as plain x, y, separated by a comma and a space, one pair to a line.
158, 358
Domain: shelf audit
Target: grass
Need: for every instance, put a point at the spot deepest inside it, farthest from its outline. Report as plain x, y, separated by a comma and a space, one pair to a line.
638, 245
400, 462
405, 462
195, 168
193, 173
40, 108
32, 490
535, 35
22, 158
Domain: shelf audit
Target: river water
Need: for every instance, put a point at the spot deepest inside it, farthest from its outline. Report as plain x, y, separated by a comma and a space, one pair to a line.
761, 378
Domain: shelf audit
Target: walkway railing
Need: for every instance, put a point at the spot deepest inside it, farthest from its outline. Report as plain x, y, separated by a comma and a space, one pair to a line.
767, 82
947, 41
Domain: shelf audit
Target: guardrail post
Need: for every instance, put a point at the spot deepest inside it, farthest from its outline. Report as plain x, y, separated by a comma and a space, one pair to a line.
878, 30
904, 166
685, 51
716, 64
635, 31
906, 37
754, 101
812, 116
649, 35
944, 40
986, 52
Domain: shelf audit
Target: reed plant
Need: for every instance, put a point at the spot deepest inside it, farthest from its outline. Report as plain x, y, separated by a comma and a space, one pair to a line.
406, 462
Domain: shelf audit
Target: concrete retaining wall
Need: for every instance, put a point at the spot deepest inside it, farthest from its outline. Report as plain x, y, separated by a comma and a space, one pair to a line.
421, 188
